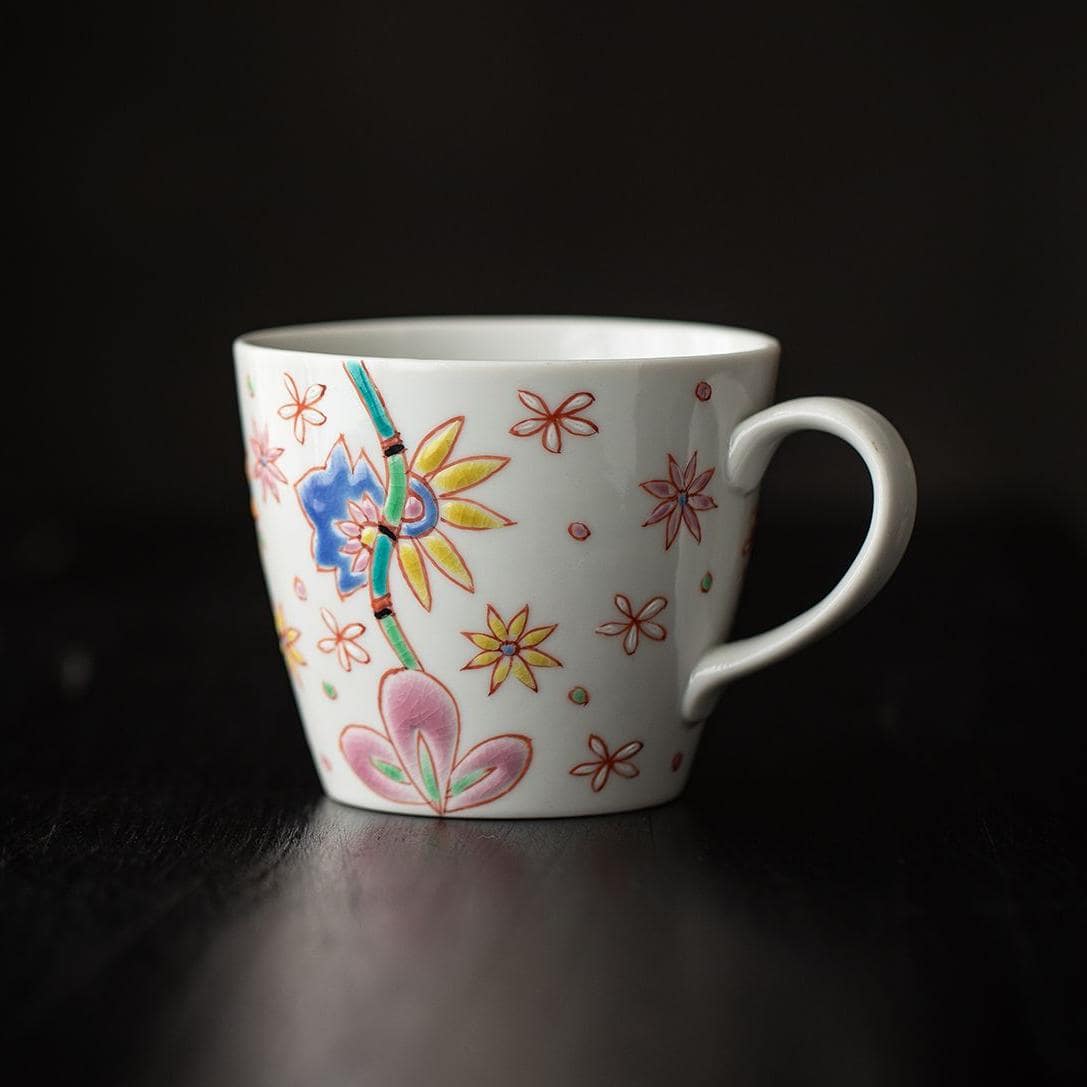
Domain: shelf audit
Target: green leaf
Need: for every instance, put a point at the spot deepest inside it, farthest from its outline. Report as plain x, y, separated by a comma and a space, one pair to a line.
426, 767
468, 781
390, 771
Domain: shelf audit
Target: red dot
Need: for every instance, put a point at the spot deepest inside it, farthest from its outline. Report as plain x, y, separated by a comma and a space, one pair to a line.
579, 530
677, 761
703, 390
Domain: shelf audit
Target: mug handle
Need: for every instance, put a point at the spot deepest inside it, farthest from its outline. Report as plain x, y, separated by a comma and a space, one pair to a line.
894, 503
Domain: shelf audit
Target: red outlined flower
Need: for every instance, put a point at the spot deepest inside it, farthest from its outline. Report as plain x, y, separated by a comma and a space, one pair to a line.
607, 763
511, 649
301, 409
565, 417
265, 471
288, 641
636, 623
343, 641
681, 499
360, 529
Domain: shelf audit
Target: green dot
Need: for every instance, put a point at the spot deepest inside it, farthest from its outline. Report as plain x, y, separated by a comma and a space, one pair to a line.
707, 582
579, 696
329, 690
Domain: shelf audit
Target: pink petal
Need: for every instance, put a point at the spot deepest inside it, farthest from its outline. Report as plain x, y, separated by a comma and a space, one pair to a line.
690, 519
659, 488
701, 481
361, 746
413, 508
527, 427
370, 512
552, 439
630, 642
660, 511
701, 502
597, 745
674, 473
360, 561
277, 472
623, 604
577, 402
503, 760
574, 424
352, 547
653, 607
689, 471
654, 631
351, 529
533, 402
612, 628
672, 528
416, 707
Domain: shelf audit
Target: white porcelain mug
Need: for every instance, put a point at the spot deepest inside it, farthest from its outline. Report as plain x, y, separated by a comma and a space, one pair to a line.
503, 552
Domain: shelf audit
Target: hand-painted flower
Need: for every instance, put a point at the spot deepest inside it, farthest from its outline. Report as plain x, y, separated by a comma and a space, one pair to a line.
342, 500
265, 471
416, 760
636, 624
607, 763
511, 648
343, 642
681, 497
565, 417
301, 408
288, 639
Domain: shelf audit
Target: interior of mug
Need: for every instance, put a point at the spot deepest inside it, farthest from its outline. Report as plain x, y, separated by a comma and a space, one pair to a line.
514, 339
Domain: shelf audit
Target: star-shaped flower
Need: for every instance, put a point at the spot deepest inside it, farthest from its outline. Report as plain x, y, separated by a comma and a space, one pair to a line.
301, 408
636, 623
607, 762
343, 642
511, 648
265, 471
681, 498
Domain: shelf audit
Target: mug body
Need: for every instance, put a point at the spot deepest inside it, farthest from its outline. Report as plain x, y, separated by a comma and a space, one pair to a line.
495, 548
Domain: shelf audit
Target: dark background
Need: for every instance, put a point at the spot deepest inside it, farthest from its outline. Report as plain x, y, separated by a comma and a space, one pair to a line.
897, 193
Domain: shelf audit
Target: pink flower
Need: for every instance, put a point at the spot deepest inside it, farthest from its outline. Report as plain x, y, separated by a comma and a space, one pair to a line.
636, 624
360, 531
681, 499
553, 423
344, 641
265, 470
607, 763
416, 759
301, 408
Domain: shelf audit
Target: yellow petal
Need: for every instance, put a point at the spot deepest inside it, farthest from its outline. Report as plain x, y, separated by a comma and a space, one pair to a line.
436, 446
539, 659
501, 670
523, 673
517, 624
411, 565
462, 474
539, 634
368, 535
447, 559
498, 628
481, 660
484, 641
463, 513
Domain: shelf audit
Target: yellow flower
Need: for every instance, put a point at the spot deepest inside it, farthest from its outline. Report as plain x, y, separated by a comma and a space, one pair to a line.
511, 649
288, 637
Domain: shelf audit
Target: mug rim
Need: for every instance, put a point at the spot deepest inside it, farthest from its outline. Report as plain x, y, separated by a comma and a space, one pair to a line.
694, 341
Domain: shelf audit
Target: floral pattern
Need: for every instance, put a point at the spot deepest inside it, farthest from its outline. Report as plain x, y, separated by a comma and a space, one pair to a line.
343, 498
551, 424
417, 760
343, 641
681, 499
288, 642
265, 471
608, 762
510, 649
635, 624
301, 409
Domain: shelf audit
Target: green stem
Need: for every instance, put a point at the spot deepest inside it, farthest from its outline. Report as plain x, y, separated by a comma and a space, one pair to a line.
396, 496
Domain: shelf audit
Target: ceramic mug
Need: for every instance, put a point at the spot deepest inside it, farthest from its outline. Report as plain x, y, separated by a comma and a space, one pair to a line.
503, 553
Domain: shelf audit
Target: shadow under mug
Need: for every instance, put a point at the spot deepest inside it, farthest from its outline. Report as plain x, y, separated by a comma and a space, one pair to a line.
503, 553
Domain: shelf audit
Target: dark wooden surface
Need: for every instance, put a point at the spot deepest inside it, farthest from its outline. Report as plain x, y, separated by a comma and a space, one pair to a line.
874, 878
